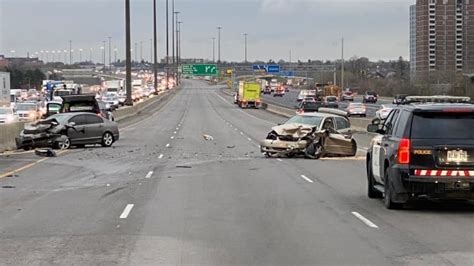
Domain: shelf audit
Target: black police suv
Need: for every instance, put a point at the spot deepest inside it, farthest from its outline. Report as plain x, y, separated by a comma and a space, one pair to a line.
423, 149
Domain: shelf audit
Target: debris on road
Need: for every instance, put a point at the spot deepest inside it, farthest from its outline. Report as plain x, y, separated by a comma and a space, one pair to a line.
8, 187
183, 166
45, 152
231, 147
208, 137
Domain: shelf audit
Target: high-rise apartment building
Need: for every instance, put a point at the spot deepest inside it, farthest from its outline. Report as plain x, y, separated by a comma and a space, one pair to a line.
443, 37
412, 40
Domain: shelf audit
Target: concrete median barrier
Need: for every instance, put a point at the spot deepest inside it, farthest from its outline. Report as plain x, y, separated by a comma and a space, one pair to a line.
8, 133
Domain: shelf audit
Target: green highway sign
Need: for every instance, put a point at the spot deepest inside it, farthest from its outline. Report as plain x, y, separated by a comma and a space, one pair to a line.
199, 70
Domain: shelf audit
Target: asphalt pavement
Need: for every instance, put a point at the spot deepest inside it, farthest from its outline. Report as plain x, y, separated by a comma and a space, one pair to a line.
186, 185
289, 100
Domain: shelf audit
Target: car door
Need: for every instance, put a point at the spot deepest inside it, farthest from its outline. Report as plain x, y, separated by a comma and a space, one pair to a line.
94, 128
77, 134
388, 142
340, 137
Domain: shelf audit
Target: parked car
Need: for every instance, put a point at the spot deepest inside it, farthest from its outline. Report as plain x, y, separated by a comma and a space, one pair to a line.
69, 129
7, 115
358, 109
313, 135
370, 97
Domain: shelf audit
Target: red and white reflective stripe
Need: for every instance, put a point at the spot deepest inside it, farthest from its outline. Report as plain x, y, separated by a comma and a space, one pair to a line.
444, 173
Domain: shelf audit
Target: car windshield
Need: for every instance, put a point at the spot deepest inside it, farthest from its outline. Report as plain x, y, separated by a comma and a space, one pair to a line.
445, 125
306, 120
25, 107
61, 118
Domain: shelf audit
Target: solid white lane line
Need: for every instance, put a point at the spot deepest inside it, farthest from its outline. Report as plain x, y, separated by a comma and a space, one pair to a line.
167, 145
126, 211
149, 174
172, 137
161, 156
365, 220
307, 179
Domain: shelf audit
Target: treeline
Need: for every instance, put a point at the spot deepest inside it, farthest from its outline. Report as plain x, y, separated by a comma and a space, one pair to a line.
25, 78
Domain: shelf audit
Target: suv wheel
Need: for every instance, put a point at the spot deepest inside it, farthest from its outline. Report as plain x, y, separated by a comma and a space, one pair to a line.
389, 204
371, 191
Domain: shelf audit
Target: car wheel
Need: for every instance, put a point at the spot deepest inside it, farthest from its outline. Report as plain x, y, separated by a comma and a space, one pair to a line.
389, 204
371, 191
107, 139
314, 151
64, 145
354, 148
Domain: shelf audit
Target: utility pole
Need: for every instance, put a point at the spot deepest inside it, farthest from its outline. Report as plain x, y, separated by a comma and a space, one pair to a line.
167, 45
219, 44
153, 48
178, 49
213, 49
70, 52
128, 55
110, 53
342, 65
245, 37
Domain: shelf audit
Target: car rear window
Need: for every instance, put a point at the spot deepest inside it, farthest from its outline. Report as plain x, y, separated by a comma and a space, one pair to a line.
443, 125
311, 105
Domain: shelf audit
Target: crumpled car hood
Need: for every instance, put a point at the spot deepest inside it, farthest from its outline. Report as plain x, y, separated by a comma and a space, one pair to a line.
40, 127
294, 130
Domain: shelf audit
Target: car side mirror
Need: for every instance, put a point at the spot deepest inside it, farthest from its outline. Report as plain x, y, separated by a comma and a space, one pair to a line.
373, 128
71, 124
376, 122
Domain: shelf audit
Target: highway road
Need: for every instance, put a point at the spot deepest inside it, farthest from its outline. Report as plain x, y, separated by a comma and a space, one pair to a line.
289, 100
164, 195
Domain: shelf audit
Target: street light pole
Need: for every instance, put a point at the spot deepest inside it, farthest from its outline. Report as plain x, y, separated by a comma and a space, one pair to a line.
154, 48
103, 52
213, 49
136, 52
178, 42
128, 55
80, 55
173, 13
167, 44
342, 64
245, 37
141, 51
110, 53
70, 52
175, 40
219, 44
115, 54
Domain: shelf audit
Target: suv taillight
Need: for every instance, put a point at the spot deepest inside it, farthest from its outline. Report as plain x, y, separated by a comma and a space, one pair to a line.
404, 151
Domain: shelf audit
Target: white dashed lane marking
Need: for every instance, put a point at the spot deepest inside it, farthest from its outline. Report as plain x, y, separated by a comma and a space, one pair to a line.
126, 211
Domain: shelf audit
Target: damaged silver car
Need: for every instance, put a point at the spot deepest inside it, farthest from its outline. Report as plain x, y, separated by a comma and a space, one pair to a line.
313, 135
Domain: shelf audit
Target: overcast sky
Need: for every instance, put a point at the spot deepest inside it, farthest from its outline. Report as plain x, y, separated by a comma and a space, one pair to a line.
311, 29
